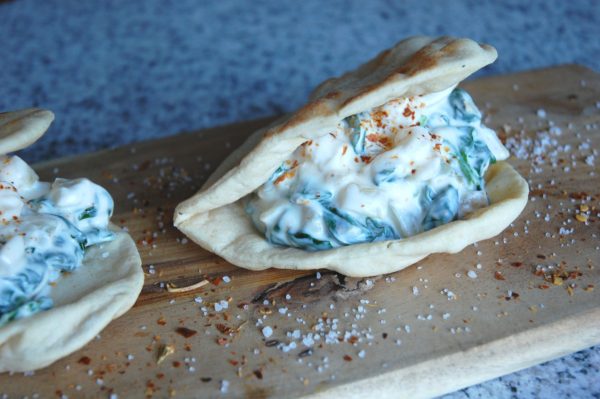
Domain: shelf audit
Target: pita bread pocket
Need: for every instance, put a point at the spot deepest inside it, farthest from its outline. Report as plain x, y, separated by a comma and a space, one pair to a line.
46, 324
415, 70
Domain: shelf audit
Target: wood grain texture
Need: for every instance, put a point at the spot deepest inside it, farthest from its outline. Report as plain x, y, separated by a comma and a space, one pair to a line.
507, 318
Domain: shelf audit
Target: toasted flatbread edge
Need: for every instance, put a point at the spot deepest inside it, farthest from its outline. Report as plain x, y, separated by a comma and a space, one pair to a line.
20, 129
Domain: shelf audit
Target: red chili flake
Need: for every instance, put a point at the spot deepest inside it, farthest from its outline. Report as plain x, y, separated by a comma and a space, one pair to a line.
589, 288
543, 286
221, 341
412, 172
499, 276
353, 339
258, 374
344, 149
574, 274
185, 332
347, 358
176, 364
513, 295
161, 321
223, 329
365, 158
233, 362
160, 376
407, 112
216, 281
84, 360
384, 335
517, 264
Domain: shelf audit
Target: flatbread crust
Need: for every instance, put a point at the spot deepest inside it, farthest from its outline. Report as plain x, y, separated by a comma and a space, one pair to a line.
20, 129
215, 219
85, 301
105, 286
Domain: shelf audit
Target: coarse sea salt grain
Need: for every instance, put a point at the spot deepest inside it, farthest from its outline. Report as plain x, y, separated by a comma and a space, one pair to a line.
221, 305
224, 386
472, 274
267, 331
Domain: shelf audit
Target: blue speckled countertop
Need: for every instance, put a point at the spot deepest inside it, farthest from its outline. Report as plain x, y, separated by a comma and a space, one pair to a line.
116, 72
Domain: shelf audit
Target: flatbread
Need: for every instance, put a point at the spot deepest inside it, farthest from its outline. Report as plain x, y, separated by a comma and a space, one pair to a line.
85, 301
105, 286
215, 219
20, 129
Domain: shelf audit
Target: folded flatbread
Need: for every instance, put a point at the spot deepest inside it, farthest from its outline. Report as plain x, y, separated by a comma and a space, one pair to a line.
215, 217
104, 287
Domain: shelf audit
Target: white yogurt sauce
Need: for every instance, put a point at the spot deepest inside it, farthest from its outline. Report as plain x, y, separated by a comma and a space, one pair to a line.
44, 229
391, 172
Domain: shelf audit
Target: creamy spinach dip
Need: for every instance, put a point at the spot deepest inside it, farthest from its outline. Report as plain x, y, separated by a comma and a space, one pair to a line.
391, 172
44, 230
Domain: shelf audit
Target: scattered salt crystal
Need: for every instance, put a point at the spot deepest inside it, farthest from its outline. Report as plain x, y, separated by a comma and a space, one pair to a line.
226, 279
446, 316
361, 354
415, 290
541, 113
318, 275
105, 255
283, 310
221, 305
308, 340
288, 297
198, 299
472, 274
224, 386
267, 331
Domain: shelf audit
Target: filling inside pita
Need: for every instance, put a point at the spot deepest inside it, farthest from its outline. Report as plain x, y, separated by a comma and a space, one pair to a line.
44, 230
391, 172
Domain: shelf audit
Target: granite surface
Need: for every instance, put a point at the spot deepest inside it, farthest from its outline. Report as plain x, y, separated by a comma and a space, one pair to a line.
116, 72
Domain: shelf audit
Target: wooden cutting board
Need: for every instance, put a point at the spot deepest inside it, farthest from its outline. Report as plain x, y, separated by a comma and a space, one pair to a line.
424, 331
